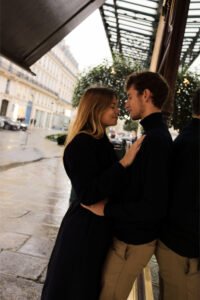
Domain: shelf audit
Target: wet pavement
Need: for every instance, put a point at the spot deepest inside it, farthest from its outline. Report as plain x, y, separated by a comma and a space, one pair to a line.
34, 193
33, 199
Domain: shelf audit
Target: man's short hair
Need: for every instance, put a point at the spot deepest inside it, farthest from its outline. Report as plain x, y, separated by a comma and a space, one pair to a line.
196, 102
152, 81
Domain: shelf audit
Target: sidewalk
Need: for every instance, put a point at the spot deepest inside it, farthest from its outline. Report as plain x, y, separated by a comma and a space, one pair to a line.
34, 199
32, 146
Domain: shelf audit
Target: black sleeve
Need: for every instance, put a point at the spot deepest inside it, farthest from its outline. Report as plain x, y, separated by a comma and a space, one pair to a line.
89, 181
152, 206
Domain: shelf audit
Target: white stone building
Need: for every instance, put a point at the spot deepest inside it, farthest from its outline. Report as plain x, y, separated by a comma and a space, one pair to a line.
43, 100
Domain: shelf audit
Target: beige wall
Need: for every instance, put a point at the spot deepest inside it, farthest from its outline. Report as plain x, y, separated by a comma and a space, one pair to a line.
50, 92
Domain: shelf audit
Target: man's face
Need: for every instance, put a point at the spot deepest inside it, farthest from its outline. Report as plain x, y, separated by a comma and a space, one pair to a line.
135, 104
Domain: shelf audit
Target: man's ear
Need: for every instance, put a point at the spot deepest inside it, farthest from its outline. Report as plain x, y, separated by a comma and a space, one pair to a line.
147, 94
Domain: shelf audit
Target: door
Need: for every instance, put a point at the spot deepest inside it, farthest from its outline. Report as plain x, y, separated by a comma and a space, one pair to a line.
4, 107
28, 112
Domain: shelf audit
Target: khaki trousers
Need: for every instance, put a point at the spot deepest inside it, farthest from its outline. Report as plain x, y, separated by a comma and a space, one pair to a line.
123, 264
180, 276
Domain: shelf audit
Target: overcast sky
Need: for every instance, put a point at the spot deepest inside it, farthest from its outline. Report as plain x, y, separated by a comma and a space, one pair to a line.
88, 42
195, 67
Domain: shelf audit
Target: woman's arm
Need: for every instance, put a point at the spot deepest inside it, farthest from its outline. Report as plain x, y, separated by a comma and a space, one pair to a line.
91, 182
98, 208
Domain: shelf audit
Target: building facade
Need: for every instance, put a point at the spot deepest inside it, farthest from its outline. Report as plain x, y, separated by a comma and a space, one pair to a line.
43, 100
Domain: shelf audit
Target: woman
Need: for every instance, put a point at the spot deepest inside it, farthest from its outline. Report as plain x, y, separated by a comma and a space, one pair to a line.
74, 270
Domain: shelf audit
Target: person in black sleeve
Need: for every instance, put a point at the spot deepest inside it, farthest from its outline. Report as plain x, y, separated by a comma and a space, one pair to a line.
74, 269
178, 252
138, 213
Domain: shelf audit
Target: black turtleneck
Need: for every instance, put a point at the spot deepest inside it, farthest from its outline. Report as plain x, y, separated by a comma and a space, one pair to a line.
139, 212
182, 232
154, 120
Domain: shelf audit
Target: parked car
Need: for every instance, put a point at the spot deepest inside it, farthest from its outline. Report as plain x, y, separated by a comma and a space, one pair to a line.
1, 122
10, 124
23, 126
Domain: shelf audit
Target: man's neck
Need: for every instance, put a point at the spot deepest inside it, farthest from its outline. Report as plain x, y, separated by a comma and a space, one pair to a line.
149, 112
196, 117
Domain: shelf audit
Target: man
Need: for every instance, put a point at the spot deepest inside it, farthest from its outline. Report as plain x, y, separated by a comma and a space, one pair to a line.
138, 214
178, 253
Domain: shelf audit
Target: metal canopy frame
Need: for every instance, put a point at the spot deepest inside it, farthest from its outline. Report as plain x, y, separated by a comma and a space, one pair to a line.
191, 41
131, 27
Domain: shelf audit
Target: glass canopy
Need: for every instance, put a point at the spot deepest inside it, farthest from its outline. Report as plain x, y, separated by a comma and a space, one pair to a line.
131, 27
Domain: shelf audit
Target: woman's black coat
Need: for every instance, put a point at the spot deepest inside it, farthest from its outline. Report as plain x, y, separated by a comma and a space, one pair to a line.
74, 270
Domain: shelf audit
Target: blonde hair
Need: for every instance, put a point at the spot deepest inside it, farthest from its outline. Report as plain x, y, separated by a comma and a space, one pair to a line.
91, 107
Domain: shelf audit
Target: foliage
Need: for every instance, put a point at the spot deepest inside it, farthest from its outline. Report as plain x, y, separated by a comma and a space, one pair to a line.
187, 82
61, 139
113, 76
130, 125
57, 137
53, 137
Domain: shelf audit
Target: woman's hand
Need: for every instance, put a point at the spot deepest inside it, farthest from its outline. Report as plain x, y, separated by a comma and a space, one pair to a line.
131, 152
97, 208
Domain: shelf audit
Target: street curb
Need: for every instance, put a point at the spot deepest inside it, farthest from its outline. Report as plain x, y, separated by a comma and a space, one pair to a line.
19, 164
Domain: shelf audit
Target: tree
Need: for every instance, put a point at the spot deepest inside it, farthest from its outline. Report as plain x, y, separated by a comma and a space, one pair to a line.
113, 76
130, 125
187, 82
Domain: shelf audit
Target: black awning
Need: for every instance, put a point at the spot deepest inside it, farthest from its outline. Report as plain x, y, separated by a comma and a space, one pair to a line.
30, 28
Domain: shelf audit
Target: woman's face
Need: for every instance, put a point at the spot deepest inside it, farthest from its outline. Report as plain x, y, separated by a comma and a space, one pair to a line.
110, 115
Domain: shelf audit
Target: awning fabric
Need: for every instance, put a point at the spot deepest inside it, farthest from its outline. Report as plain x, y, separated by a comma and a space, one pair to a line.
29, 29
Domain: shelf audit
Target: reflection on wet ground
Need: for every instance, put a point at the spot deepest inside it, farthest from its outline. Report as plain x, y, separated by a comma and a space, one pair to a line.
34, 199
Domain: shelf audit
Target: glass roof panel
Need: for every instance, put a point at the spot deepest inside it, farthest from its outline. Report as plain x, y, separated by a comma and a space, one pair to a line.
131, 27
191, 42
138, 8
152, 4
